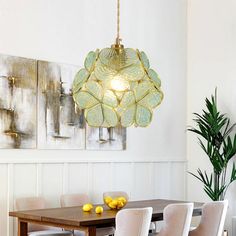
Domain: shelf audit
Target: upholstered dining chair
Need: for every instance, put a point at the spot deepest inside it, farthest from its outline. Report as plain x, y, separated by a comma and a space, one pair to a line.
152, 226
70, 200
212, 220
133, 222
33, 203
177, 220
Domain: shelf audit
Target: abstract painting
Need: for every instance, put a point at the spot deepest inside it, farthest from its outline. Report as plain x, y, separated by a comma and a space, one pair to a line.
18, 86
60, 122
113, 139
37, 109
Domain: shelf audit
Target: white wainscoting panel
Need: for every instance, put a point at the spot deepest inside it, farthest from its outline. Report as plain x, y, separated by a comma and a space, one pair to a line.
143, 184
123, 177
162, 179
178, 173
52, 183
4, 202
142, 180
100, 179
24, 180
78, 178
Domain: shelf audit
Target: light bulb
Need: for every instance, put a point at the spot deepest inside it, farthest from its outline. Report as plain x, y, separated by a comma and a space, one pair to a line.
119, 84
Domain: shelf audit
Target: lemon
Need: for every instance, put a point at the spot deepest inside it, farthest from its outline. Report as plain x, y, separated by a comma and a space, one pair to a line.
99, 209
112, 205
115, 202
120, 204
107, 199
87, 207
122, 199
90, 205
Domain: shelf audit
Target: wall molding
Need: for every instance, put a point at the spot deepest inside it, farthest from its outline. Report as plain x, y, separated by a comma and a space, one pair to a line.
52, 160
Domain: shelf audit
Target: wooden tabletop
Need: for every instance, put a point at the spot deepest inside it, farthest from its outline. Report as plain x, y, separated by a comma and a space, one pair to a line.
75, 217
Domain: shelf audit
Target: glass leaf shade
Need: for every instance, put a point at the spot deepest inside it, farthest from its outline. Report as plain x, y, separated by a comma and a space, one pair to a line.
117, 87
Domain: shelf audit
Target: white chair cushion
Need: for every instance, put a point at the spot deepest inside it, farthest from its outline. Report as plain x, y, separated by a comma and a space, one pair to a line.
99, 232
51, 233
105, 231
79, 233
152, 226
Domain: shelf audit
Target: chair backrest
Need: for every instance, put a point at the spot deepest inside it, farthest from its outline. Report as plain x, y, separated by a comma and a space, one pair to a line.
133, 222
177, 219
70, 200
31, 203
212, 220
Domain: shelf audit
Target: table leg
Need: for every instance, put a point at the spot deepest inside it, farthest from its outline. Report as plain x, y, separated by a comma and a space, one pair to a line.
22, 228
91, 231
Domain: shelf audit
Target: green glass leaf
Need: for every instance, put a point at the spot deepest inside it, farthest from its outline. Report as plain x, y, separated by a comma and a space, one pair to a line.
118, 59
154, 77
144, 59
131, 55
119, 95
128, 99
110, 116
143, 116
151, 100
103, 72
110, 98
133, 73
142, 90
128, 116
105, 124
92, 77
95, 89
133, 85
80, 78
90, 61
85, 100
94, 116
106, 85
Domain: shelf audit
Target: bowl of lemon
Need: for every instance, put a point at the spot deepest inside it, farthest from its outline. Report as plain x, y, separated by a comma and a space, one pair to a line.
115, 200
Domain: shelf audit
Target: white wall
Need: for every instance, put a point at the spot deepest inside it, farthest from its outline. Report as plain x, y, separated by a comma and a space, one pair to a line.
65, 31
211, 63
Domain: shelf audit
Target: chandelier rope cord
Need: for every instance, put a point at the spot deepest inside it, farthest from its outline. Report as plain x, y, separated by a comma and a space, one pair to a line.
118, 23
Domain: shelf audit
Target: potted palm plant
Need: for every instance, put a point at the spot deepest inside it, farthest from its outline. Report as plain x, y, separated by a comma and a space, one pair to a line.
217, 140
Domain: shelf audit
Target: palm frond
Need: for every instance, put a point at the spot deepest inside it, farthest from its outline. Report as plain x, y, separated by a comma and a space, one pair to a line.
213, 130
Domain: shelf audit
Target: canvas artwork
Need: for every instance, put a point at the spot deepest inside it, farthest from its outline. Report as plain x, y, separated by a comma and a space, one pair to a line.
105, 138
60, 122
37, 109
18, 85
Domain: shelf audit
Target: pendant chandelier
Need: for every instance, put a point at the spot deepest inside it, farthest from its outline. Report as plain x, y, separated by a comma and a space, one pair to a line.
117, 86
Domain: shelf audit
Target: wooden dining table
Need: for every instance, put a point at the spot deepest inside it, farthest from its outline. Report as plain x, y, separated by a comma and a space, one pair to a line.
73, 218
